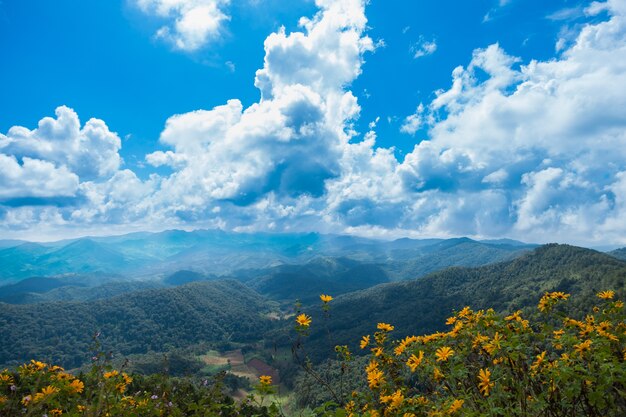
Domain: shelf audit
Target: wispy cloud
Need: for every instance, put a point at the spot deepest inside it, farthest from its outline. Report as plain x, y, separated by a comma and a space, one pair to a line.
423, 47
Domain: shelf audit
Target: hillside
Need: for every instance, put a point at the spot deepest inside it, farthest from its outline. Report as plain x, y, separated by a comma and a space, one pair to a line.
138, 322
422, 305
619, 253
306, 282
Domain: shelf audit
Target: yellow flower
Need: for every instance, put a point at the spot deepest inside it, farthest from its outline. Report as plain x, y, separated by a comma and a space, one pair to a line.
451, 321
81, 407
45, 393
6, 379
326, 298
385, 327
606, 295
455, 406
558, 333
583, 347
56, 412
619, 304
265, 380
494, 344
303, 320
437, 374
484, 381
26, 400
111, 374
550, 298
414, 361
537, 364
127, 379
465, 313
365, 341
443, 353
377, 351
375, 377
3, 399
76, 386
394, 400
38, 365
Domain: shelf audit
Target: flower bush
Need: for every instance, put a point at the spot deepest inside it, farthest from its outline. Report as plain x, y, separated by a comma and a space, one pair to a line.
489, 364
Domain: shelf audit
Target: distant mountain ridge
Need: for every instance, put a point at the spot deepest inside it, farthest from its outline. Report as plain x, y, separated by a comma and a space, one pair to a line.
215, 252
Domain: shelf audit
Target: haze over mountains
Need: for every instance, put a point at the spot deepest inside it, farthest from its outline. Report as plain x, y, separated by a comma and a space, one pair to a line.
279, 266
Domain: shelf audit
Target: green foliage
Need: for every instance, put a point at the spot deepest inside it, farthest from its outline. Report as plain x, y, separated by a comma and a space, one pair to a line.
423, 304
489, 364
136, 323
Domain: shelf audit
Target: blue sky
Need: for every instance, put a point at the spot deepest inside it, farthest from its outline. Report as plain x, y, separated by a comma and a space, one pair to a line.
490, 118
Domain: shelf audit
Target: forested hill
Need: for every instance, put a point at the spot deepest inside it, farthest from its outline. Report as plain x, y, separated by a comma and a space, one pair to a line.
619, 253
138, 322
421, 306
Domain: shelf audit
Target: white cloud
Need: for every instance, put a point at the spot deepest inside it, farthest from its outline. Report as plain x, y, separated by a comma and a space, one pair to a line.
34, 178
90, 152
413, 122
533, 150
423, 47
192, 23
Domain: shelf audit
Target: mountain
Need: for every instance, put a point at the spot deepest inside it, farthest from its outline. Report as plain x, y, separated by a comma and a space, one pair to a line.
19, 292
422, 305
321, 275
80, 256
220, 253
138, 322
619, 253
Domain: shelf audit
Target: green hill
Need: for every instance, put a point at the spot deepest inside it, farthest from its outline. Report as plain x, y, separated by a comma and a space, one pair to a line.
421, 306
306, 282
619, 253
137, 322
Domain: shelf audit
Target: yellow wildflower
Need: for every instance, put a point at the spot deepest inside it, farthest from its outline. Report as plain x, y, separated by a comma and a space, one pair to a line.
303, 320
365, 341
494, 345
45, 393
3, 399
6, 379
76, 386
606, 295
619, 304
484, 381
537, 364
127, 379
375, 378
111, 374
443, 353
377, 351
455, 406
437, 374
451, 320
38, 365
415, 360
265, 380
394, 400
26, 400
56, 412
385, 327
326, 298
583, 347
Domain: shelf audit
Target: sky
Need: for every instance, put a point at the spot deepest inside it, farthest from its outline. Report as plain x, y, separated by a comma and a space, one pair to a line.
487, 119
